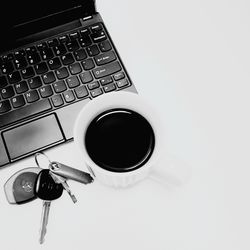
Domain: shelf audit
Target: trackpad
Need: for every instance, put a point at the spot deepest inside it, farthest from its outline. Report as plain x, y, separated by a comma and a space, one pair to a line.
33, 136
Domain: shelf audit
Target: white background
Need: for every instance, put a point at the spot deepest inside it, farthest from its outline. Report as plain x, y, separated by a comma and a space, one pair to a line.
192, 59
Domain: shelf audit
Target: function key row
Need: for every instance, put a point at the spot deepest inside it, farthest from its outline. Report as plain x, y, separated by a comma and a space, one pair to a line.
83, 36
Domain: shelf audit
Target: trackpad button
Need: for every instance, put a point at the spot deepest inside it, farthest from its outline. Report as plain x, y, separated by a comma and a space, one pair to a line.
33, 136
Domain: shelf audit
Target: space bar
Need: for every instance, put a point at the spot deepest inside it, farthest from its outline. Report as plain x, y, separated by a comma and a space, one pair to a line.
27, 111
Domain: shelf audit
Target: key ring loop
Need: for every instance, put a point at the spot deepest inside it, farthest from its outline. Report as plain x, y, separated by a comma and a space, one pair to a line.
43, 154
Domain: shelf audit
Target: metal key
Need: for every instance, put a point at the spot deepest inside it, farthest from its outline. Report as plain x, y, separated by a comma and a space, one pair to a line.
47, 190
44, 221
60, 180
70, 173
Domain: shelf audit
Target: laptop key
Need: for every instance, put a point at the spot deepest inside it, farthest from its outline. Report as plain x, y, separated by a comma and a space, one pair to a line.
19, 53
35, 82
96, 92
73, 36
107, 69
69, 96
59, 86
60, 50
93, 85
30, 50
53, 43
46, 91
4, 107
80, 54
75, 68
24, 112
42, 46
93, 50
46, 53
67, 59
57, 100
96, 27
88, 64
105, 58
72, 46
28, 72
106, 80
20, 62
81, 91
73, 82
3, 81
21, 87
7, 92
34, 58
85, 41
48, 77
105, 46
109, 87
122, 83
84, 32
63, 39
8, 57
7, 67
62, 73
41, 68
14, 77
86, 77
54, 63
18, 101
118, 76
98, 36
32, 96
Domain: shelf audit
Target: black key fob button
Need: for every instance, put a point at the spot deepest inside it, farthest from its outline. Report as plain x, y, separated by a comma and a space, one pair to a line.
46, 188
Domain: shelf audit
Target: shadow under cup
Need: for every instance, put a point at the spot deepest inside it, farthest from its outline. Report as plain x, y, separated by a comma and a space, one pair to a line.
119, 140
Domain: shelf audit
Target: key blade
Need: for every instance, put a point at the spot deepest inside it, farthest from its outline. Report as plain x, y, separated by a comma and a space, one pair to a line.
62, 180
44, 221
66, 187
70, 173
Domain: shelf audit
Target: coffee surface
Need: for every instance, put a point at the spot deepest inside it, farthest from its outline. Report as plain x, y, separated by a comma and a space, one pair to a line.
119, 140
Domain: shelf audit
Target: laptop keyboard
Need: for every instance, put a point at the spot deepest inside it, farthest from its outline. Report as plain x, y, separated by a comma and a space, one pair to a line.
57, 72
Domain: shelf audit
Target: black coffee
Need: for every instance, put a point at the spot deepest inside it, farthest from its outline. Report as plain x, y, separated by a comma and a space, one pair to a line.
120, 140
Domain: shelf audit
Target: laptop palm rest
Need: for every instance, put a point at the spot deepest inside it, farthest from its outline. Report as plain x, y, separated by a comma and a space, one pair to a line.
33, 136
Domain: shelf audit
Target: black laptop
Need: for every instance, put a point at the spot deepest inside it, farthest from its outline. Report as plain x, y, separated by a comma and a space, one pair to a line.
55, 56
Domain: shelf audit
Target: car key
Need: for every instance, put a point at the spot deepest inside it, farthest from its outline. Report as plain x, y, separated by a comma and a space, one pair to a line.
19, 188
47, 190
60, 180
70, 173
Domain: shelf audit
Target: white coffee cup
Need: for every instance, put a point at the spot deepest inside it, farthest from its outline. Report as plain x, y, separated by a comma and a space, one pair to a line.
124, 100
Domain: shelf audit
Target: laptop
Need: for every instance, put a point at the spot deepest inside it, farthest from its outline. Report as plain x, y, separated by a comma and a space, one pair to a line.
55, 56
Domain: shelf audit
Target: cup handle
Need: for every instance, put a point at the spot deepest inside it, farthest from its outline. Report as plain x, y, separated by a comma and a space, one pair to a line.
170, 172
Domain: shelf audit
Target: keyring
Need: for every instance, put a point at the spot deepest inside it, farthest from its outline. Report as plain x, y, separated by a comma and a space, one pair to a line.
36, 158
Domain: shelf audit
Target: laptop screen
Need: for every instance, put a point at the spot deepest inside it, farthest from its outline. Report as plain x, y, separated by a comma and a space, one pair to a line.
23, 11
31, 10
23, 18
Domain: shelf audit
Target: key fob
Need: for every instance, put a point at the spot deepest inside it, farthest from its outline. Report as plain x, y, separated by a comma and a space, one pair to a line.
46, 188
20, 187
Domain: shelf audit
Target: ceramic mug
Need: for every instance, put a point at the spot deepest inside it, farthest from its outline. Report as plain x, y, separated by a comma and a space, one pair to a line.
130, 101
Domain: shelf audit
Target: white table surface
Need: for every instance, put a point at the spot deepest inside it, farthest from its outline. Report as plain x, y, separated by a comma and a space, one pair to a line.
192, 59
